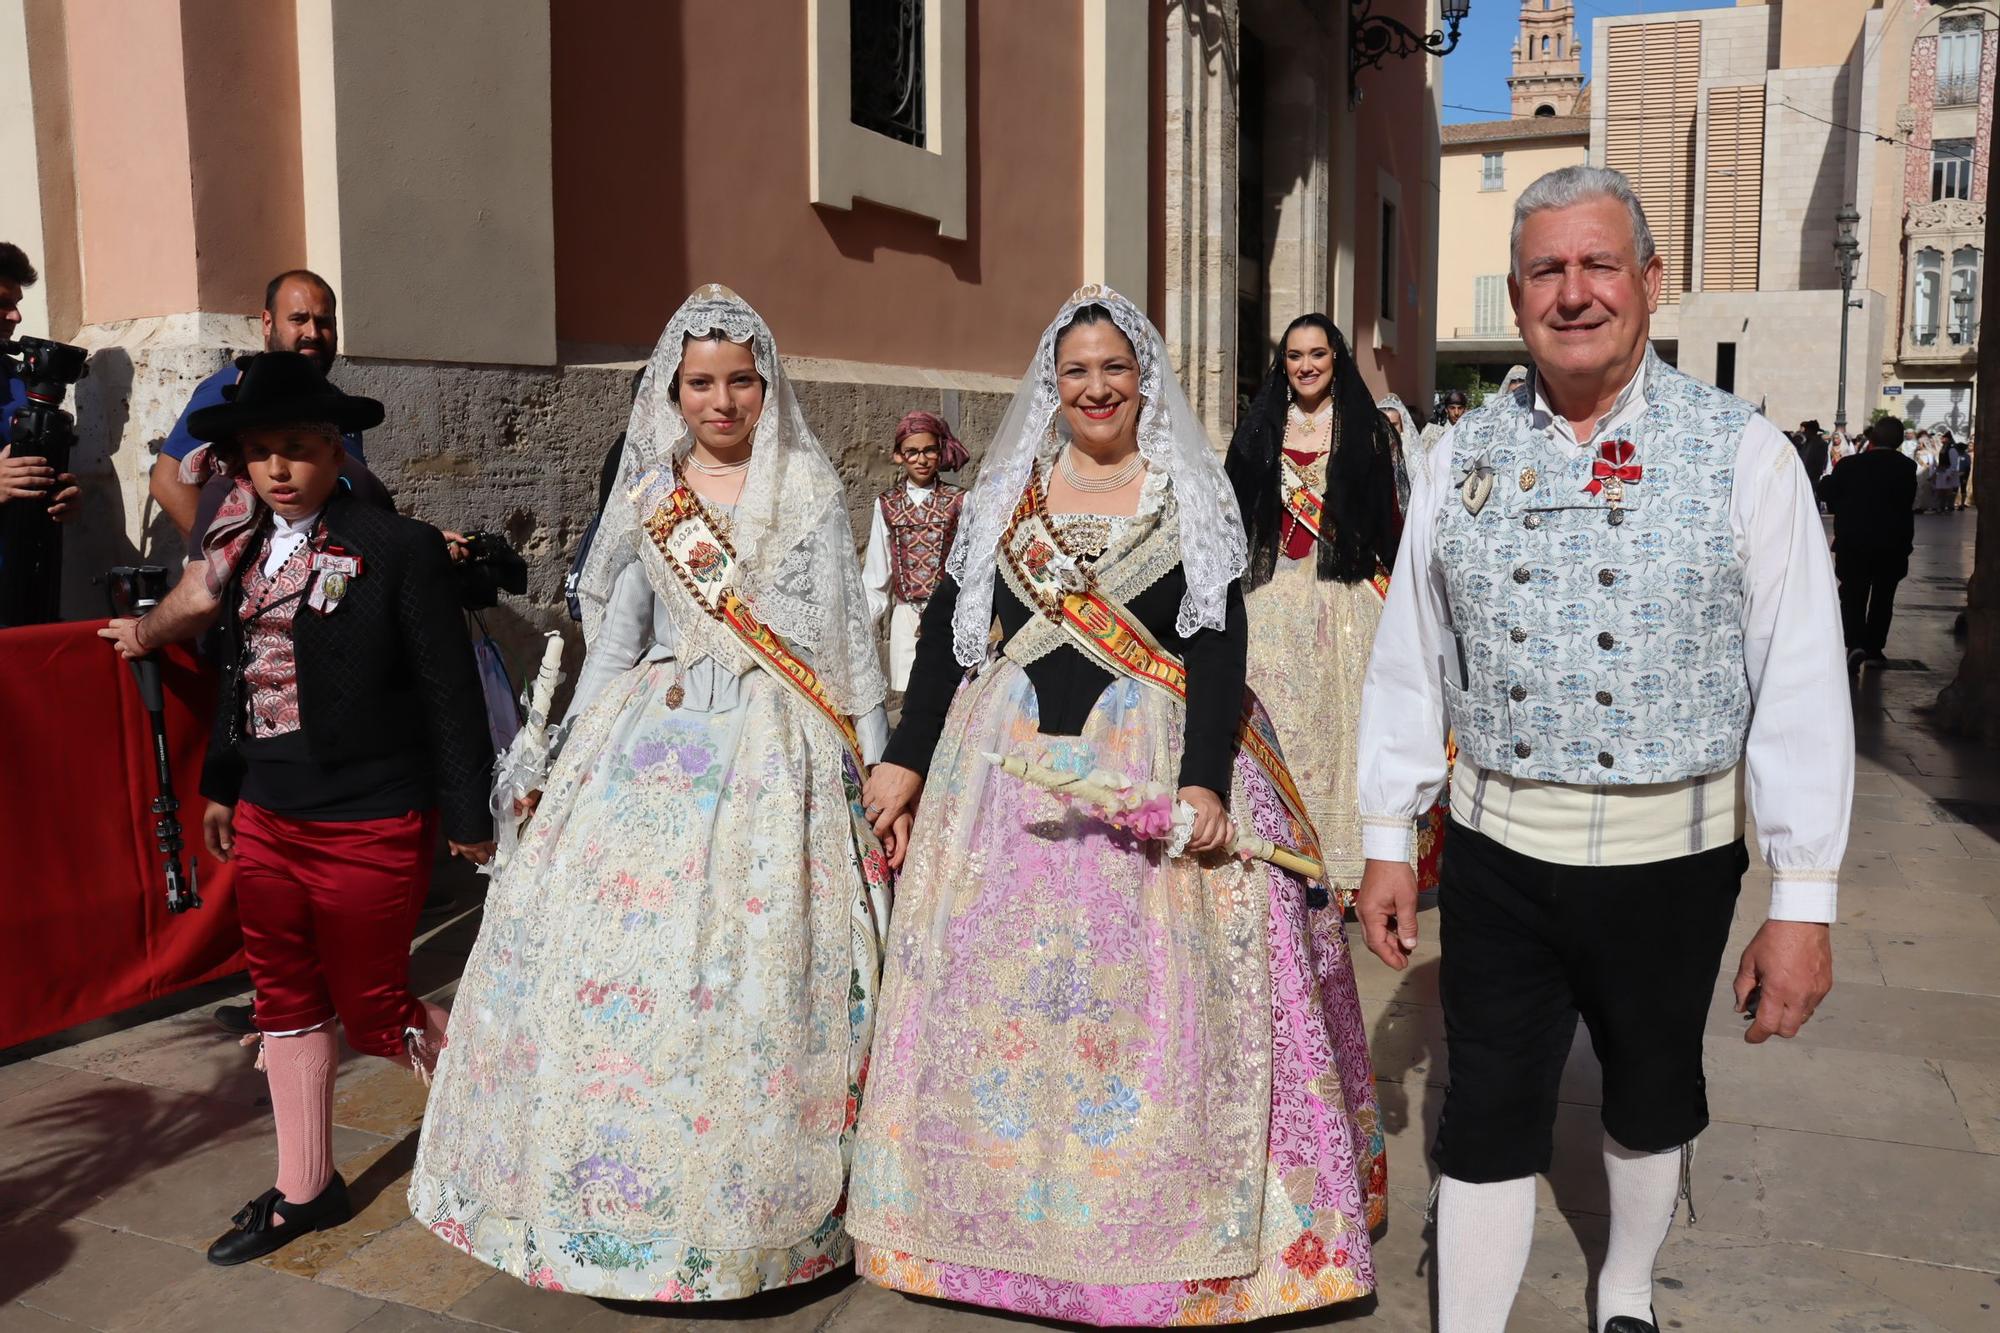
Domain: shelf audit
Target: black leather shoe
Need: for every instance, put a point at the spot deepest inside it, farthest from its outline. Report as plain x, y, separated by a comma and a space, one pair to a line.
258, 1233
235, 1019
1626, 1323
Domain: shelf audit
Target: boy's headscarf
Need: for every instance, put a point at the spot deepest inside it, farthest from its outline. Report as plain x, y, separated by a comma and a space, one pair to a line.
952, 454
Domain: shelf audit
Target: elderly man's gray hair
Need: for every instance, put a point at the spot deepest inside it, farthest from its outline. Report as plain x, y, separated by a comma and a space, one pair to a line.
1568, 186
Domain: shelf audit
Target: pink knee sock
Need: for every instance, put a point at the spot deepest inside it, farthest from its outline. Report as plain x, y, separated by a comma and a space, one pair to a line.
301, 1073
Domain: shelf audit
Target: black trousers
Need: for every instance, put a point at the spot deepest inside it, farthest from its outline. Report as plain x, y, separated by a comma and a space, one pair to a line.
1868, 580
1529, 946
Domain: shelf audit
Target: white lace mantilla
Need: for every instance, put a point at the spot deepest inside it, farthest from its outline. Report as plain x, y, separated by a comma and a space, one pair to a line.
795, 551
1213, 549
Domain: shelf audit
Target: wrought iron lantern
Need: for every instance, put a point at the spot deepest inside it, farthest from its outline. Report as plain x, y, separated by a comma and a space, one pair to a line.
1373, 38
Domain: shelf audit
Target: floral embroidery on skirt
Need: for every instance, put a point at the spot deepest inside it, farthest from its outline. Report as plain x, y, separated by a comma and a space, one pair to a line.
656, 1054
1110, 1087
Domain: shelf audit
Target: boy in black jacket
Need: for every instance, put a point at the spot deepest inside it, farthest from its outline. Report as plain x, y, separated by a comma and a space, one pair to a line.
349, 727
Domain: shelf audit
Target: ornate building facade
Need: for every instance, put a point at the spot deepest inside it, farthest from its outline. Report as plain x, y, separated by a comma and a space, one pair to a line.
1944, 123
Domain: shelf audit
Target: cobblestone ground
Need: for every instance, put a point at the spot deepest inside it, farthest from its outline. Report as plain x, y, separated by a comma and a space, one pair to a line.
1851, 1181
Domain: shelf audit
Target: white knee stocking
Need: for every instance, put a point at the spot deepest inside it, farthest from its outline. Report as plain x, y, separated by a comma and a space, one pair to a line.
1644, 1189
1483, 1235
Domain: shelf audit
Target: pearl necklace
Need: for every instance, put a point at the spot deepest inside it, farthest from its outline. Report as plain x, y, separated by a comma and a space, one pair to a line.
717, 469
1098, 485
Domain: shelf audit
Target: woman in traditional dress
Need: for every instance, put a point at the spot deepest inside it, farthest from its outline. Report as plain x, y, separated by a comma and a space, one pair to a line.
1110, 1084
658, 1044
1313, 465
1406, 447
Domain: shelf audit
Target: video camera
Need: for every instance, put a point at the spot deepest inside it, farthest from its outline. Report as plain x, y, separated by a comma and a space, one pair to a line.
491, 568
39, 428
135, 590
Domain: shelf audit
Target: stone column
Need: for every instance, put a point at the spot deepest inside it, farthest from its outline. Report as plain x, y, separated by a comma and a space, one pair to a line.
429, 196
1199, 321
178, 121
1299, 116
1117, 109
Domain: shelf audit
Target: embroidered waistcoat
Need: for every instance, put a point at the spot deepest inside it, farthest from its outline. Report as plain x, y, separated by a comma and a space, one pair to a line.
1601, 634
920, 535
270, 668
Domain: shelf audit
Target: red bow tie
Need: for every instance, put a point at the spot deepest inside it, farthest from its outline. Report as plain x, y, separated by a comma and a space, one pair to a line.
1614, 462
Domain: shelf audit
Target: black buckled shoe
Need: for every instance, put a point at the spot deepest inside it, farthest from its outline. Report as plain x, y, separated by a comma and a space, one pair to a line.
235, 1019
1626, 1323
257, 1233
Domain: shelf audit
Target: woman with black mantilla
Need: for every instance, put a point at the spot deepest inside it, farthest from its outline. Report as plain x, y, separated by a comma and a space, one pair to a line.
1313, 463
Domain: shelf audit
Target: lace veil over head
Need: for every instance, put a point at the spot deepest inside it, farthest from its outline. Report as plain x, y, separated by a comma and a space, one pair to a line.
1173, 443
795, 550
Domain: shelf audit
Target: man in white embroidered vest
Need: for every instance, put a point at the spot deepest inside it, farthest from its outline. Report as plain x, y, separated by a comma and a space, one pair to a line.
1614, 587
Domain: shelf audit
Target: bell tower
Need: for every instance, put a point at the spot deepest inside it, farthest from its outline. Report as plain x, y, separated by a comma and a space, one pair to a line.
1548, 63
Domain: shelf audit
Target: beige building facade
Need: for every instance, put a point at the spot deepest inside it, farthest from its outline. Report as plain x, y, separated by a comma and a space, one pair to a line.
511, 196
1743, 130
1484, 166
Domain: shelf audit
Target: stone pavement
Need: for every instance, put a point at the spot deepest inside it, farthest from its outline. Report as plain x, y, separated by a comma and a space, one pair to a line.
1851, 1181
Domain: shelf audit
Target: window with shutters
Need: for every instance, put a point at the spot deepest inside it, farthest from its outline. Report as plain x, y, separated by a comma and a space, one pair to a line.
1492, 173
1961, 43
1926, 292
1965, 296
1489, 304
1733, 189
1652, 90
1390, 285
1389, 238
1951, 169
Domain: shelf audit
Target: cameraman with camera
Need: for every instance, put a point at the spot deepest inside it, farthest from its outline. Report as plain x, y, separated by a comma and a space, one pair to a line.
28, 547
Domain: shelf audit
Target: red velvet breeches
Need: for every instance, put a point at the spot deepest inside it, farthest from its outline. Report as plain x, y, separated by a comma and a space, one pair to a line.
328, 909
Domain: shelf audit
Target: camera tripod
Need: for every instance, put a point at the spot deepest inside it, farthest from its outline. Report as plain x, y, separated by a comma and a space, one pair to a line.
135, 590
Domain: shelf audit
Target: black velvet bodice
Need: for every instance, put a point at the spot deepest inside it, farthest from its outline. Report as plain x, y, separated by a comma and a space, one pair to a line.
1068, 684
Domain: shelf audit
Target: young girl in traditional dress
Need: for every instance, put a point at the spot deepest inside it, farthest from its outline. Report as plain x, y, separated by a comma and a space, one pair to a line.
1110, 1084
1313, 465
659, 1039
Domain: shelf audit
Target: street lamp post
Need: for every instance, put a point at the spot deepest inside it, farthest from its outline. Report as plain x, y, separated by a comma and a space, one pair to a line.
1847, 255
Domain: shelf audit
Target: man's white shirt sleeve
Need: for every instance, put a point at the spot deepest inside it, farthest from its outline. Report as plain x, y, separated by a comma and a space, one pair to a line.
875, 566
1402, 731
1800, 753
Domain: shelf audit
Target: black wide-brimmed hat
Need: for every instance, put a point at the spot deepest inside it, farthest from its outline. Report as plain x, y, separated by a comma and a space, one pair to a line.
282, 389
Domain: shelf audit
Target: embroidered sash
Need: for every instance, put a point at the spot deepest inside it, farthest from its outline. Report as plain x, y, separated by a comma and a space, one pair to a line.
1300, 501
1109, 634
1306, 508
701, 558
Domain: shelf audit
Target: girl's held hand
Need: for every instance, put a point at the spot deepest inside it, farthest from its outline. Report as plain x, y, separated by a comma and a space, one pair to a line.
1213, 829
889, 800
